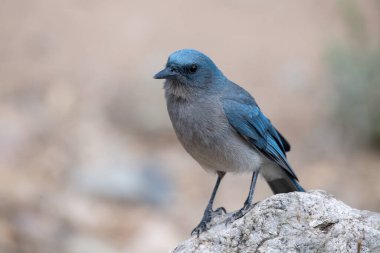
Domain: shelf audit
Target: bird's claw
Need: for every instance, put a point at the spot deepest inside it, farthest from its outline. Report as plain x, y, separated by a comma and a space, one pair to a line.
220, 210
207, 217
202, 226
237, 215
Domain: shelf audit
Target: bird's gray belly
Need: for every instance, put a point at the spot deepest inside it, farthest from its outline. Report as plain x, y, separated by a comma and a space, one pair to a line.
211, 141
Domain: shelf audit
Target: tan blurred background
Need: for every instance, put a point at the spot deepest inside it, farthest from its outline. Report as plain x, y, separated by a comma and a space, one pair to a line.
88, 158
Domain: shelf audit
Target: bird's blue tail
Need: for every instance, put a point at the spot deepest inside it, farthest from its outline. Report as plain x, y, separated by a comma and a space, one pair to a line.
280, 181
284, 185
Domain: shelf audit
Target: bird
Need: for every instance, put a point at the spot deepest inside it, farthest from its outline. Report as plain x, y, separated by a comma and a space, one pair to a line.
221, 126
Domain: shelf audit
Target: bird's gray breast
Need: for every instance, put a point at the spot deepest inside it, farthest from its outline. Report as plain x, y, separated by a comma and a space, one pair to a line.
203, 129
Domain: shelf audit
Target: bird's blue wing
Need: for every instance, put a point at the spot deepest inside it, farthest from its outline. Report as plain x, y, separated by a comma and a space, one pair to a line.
248, 120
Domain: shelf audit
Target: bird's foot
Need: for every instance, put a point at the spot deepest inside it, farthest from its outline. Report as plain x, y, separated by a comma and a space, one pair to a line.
202, 226
207, 217
238, 214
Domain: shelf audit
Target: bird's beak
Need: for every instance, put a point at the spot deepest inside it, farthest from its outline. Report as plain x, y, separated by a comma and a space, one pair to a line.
166, 73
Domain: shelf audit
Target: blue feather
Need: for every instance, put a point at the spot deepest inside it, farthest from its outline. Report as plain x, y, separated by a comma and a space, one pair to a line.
248, 120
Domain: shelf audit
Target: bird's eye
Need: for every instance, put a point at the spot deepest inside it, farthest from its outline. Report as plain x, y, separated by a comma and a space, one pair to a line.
193, 68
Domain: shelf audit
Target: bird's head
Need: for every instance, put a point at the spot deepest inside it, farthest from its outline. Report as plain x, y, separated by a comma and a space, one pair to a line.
189, 69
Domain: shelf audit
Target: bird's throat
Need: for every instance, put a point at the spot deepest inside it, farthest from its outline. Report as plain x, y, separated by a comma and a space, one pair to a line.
177, 89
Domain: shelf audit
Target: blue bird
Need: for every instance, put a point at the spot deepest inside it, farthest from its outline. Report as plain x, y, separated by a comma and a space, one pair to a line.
221, 126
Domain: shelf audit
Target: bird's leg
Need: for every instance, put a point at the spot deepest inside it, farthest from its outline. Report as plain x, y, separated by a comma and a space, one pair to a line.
207, 215
248, 202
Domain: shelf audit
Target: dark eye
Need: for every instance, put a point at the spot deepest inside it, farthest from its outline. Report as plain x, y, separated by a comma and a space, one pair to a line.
193, 68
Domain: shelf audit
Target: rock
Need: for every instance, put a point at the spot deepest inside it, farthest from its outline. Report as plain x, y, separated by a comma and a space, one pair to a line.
294, 222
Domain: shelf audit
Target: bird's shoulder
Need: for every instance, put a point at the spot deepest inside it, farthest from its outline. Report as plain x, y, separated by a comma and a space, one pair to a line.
238, 104
245, 116
236, 93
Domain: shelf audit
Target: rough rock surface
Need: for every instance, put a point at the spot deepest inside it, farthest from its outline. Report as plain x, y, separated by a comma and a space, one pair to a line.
294, 222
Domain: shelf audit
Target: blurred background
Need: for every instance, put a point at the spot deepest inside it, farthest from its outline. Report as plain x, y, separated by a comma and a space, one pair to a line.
88, 158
